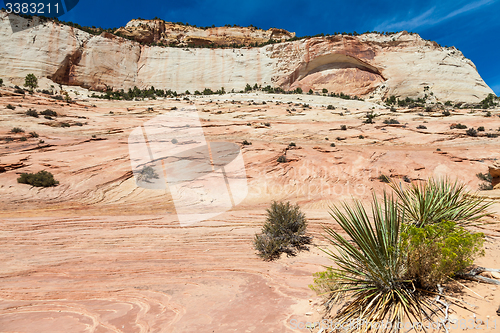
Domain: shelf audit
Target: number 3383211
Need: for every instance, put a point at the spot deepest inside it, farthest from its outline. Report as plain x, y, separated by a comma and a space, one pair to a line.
31, 8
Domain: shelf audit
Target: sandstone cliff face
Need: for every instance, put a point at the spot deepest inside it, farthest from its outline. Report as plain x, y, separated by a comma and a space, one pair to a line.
369, 65
159, 31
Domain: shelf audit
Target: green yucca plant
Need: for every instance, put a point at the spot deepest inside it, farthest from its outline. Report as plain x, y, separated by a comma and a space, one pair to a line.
371, 272
439, 200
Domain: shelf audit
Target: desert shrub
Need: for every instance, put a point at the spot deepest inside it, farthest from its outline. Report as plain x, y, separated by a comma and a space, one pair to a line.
34, 134
32, 113
480, 129
267, 124
487, 179
391, 121
369, 117
384, 179
343, 127
17, 130
361, 137
489, 101
324, 91
1, 82
471, 132
11, 107
387, 263
268, 247
421, 127
488, 114
433, 201
332, 144
330, 107
49, 113
485, 187
292, 144
283, 232
391, 100
282, 159
65, 125
491, 135
484, 176
246, 143
147, 173
458, 126
370, 273
24, 138
40, 179
439, 251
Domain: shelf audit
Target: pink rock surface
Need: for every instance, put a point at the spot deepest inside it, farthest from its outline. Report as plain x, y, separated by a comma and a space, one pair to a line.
98, 254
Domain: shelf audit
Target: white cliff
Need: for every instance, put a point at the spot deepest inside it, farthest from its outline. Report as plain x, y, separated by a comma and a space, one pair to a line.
369, 65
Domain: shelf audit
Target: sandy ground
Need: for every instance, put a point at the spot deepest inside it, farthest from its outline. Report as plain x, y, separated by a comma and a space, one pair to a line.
99, 254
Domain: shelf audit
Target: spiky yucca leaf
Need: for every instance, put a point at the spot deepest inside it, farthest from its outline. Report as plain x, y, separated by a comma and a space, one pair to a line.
438, 200
371, 268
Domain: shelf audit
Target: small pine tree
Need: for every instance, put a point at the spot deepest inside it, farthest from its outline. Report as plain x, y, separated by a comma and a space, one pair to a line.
31, 81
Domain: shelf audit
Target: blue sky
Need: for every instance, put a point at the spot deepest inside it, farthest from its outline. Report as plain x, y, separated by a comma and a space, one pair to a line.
471, 26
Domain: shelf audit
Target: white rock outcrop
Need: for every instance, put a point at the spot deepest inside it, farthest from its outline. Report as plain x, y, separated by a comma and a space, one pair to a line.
369, 65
